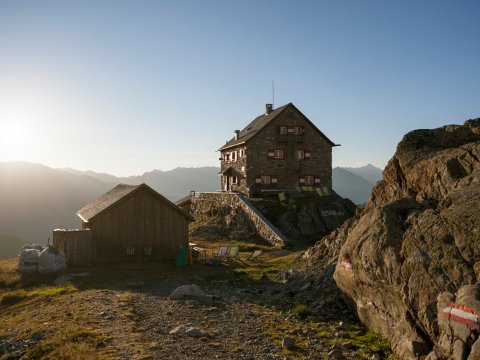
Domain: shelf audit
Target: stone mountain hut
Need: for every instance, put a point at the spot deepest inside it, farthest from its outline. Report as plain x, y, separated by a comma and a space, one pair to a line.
280, 150
134, 222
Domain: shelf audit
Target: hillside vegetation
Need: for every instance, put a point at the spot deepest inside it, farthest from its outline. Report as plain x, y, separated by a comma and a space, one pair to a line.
123, 311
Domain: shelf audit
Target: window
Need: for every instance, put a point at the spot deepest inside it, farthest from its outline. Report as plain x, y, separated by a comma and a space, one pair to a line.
242, 152
266, 180
234, 156
298, 130
302, 154
227, 157
283, 130
276, 154
309, 180
234, 179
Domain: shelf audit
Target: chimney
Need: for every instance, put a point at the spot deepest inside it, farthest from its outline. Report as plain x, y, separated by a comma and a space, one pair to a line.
268, 108
237, 134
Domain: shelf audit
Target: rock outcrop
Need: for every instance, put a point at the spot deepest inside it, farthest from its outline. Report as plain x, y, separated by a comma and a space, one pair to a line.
410, 263
302, 215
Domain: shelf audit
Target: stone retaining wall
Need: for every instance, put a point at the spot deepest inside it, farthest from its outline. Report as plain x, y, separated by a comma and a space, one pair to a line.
205, 203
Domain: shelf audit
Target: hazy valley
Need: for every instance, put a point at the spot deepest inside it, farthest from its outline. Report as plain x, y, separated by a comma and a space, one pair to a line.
35, 199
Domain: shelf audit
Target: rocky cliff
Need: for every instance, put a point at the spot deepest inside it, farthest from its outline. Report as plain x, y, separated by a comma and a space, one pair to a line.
410, 263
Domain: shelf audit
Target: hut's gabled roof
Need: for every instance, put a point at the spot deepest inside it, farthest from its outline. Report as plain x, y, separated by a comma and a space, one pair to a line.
263, 120
105, 201
119, 192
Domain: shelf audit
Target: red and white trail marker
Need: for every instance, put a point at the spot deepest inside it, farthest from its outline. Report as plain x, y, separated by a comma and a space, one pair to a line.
346, 265
461, 313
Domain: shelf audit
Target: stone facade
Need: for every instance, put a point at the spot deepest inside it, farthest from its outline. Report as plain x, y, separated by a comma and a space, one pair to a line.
205, 205
286, 151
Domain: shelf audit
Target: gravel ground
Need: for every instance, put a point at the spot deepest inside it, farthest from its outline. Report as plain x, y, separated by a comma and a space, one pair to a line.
129, 315
233, 330
239, 323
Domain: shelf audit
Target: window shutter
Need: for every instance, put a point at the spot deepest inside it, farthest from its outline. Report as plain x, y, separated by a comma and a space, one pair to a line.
274, 179
271, 154
302, 180
290, 130
317, 181
258, 179
307, 155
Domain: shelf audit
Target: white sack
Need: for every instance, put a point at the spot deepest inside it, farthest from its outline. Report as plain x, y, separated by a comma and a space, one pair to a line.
51, 262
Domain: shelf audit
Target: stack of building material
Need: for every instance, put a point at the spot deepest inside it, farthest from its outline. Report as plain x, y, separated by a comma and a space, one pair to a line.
36, 258
28, 258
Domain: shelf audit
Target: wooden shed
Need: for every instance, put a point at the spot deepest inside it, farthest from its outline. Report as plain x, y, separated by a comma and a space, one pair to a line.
134, 222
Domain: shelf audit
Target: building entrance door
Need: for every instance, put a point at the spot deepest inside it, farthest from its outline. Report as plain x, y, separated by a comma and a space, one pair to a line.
229, 183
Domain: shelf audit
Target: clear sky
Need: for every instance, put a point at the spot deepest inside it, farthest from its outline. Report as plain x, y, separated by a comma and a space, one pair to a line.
130, 86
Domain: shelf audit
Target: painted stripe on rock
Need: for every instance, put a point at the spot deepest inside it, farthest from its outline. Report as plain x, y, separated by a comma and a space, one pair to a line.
346, 265
461, 313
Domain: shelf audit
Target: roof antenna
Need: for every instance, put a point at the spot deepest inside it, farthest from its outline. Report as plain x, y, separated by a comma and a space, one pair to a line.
273, 94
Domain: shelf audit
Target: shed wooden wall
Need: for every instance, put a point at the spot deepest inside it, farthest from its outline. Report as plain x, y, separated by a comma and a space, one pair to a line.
77, 245
140, 220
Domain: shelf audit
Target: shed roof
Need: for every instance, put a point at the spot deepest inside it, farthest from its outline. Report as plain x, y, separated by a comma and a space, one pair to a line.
263, 120
119, 192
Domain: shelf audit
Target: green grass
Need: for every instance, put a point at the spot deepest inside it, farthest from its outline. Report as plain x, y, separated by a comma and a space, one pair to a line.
9, 275
16, 296
362, 342
267, 267
372, 341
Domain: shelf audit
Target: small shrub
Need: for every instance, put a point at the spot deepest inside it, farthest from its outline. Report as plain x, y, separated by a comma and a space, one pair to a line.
302, 311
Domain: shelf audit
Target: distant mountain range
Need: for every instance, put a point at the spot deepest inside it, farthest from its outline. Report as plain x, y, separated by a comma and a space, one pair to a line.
35, 199
173, 184
368, 172
355, 183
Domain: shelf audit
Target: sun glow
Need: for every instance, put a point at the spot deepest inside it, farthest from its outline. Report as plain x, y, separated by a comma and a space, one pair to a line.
15, 140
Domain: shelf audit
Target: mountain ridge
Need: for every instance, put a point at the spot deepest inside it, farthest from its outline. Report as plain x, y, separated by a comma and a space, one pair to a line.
368, 172
37, 199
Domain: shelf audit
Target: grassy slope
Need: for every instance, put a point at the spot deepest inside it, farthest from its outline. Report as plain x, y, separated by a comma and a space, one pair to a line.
72, 323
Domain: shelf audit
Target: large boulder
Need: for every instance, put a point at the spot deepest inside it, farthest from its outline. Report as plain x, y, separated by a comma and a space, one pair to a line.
410, 263
307, 214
